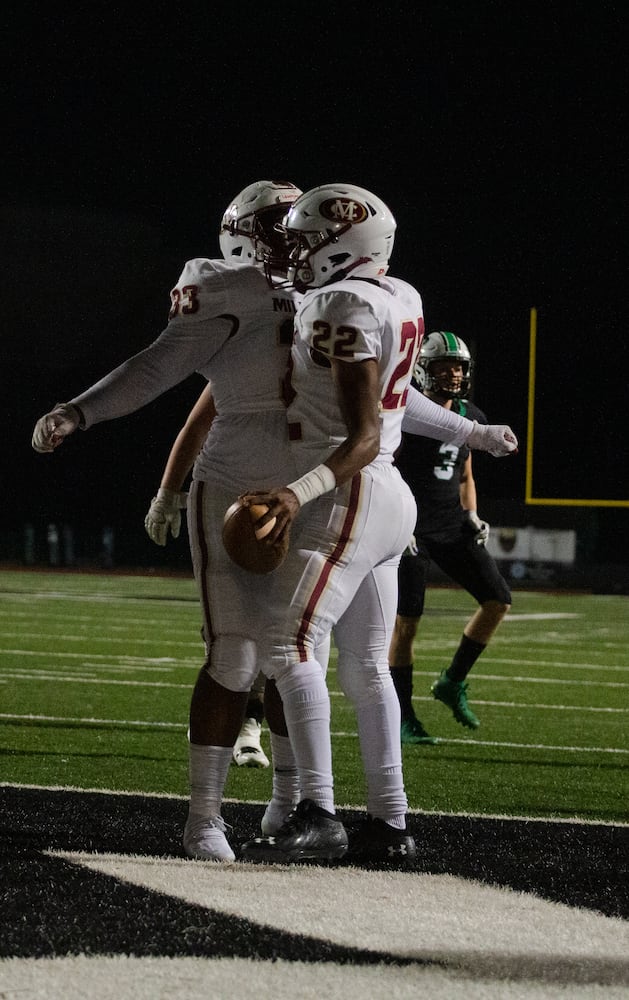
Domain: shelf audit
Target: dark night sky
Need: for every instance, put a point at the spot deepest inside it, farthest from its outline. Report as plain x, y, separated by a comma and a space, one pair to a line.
494, 131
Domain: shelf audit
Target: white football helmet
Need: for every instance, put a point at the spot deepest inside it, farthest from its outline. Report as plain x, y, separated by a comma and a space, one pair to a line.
443, 346
248, 232
335, 230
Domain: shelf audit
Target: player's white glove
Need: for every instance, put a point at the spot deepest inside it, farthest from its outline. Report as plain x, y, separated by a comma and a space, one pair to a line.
165, 513
497, 439
53, 427
480, 528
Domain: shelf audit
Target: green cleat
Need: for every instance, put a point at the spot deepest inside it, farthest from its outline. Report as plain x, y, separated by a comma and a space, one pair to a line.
412, 731
453, 694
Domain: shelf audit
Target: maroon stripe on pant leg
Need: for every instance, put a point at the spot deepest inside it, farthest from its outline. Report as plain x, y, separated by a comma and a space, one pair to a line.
205, 558
331, 561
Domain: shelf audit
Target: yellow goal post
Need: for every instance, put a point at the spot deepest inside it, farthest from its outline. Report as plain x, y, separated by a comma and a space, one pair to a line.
530, 438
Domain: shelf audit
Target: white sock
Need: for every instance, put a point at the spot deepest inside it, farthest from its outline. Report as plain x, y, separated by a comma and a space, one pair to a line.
285, 773
381, 751
208, 768
307, 712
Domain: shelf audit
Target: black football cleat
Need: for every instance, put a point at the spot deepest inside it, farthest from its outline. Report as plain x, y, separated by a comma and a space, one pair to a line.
376, 841
308, 833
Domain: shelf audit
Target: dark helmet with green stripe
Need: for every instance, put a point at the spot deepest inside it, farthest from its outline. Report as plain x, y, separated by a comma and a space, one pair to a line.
443, 346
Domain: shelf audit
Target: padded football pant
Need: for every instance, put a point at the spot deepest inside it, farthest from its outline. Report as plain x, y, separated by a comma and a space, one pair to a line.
341, 573
234, 603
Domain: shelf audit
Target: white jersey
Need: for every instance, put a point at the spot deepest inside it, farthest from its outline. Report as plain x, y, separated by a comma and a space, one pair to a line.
228, 325
351, 320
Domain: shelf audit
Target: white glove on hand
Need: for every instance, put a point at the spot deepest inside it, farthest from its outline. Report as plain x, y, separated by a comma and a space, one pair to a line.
497, 439
53, 427
481, 528
165, 513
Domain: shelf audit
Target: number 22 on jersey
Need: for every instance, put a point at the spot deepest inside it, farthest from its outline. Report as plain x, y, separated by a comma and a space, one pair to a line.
411, 336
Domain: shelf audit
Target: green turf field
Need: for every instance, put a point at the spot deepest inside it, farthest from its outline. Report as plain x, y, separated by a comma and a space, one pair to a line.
96, 673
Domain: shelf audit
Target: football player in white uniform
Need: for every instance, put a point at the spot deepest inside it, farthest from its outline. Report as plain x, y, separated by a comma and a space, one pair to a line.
350, 514
163, 518
229, 323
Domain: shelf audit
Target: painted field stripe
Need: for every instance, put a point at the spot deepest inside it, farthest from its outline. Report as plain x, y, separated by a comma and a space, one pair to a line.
558, 664
49, 675
525, 704
104, 638
516, 679
493, 660
58, 595
44, 676
470, 741
536, 746
354, 908
541, 616
572, 820
131, 723
426, 645
120, 657
337, 734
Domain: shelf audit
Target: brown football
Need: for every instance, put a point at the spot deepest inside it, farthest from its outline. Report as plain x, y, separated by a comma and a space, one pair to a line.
242, 545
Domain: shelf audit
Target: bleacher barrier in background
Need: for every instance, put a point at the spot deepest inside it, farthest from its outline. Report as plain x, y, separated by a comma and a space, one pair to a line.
528, 557
534, 554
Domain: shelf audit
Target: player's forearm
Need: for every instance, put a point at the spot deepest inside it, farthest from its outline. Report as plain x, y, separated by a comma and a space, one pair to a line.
354, 454
124, 390
183, 453
344, 462
142, 378
189, 441
468, 495
177, 467
423, 416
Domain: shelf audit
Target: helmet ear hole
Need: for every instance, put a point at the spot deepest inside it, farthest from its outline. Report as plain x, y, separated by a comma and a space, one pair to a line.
336, 259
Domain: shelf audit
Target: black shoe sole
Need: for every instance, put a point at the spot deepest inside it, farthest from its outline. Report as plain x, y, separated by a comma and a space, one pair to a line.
380, 855
274, 855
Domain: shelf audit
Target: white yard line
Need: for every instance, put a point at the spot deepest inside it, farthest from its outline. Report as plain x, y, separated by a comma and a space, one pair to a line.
541, 616
562, 664
122, 658
576, 820
54, 636
518, 679
470, 741
90, 721
100, 598
519, 705
77, 679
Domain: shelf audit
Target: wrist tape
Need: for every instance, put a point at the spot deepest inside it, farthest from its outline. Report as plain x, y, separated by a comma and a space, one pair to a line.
314, 484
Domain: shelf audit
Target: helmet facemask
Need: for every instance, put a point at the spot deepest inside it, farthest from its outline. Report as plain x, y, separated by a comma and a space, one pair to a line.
303, 270
448, 383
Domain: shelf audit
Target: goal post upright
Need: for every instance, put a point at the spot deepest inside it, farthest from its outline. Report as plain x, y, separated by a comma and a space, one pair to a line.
530, 432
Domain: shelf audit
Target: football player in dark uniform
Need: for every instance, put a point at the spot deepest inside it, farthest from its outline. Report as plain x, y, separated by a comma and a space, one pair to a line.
450, 533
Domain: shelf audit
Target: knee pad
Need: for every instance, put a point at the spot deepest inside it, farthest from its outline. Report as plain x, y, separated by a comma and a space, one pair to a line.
360, 681
233, 662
